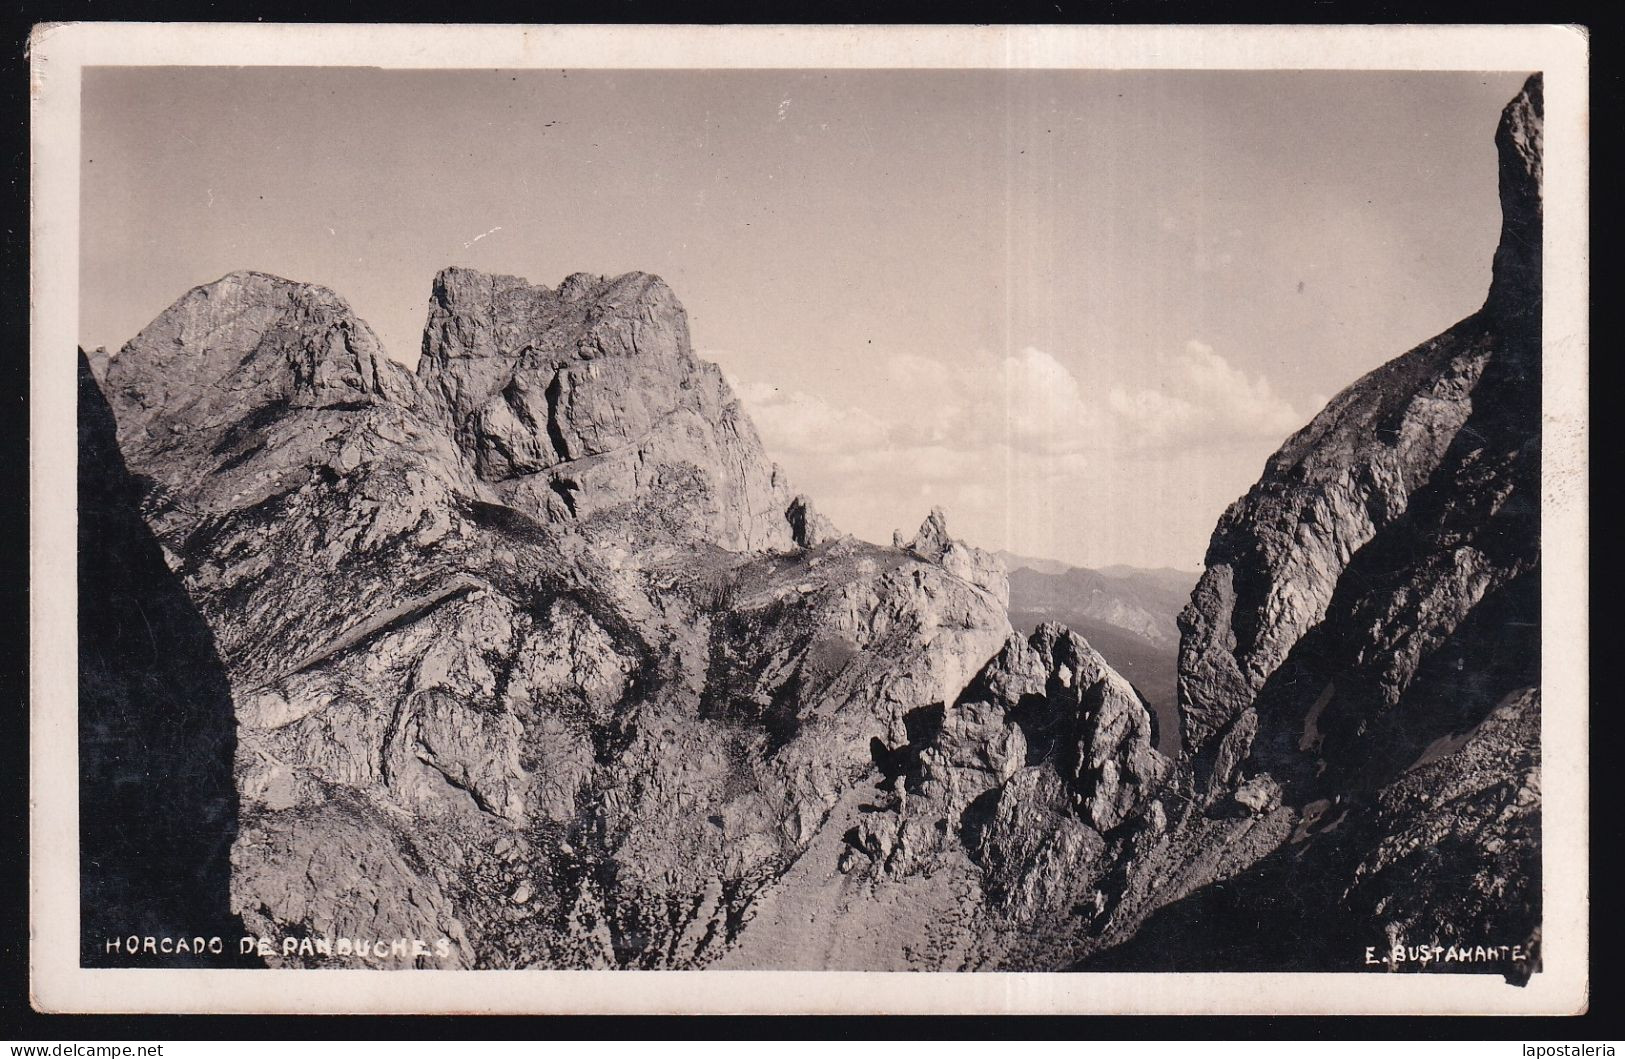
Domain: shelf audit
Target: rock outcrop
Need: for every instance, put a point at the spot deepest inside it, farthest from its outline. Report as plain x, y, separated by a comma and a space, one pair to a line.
808, 527
1051, 704
1129, 615
1404, 505
587, 403
973, 565
1361, 659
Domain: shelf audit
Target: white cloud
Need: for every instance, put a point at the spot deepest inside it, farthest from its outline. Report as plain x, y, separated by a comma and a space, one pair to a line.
1247, 407
793, 421
1157, 414
1022, 442
1205, 400
1030, 404
1045, 409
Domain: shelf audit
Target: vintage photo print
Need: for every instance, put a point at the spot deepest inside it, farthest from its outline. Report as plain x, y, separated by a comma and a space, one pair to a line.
790, 519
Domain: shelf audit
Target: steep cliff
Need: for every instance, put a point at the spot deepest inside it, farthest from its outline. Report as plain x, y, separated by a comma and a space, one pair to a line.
587, 402
158, 805
1378, 529
1361, 658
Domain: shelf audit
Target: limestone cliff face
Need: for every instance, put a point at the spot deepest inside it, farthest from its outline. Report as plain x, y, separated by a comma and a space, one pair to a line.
425, 660
1376, 530
1360, 662
587, 403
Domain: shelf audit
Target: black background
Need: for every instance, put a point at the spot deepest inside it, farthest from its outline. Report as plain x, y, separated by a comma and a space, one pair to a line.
19, 1022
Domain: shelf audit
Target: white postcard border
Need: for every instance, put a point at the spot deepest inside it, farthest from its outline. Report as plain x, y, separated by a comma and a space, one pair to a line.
59, 52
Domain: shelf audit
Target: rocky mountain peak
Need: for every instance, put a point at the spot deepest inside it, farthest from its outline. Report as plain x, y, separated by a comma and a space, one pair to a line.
934, 544
1280, 553
508, 610
1515, 290
587, 401
245, 341
1369, 616
1520, 140
583, 406
476, 315
483, 329
932, 540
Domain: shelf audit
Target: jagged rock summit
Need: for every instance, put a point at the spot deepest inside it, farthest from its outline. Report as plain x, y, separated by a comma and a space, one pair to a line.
247, 339
1408, 503
586, 399
584, 405
983, 569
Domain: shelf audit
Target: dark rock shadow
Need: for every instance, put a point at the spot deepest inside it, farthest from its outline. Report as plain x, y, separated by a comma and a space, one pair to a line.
1310, 908
1280, 915
157, 733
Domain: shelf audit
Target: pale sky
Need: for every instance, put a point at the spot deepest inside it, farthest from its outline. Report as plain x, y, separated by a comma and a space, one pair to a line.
1076, 309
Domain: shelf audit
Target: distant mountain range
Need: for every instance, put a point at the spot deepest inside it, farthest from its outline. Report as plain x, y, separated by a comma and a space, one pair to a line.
1128, 614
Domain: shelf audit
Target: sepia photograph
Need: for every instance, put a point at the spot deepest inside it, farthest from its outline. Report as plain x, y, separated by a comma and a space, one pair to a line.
1081, 527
